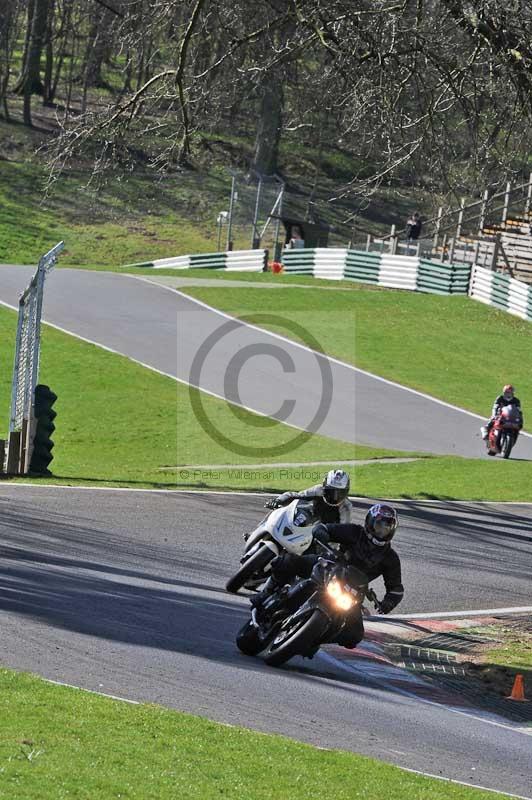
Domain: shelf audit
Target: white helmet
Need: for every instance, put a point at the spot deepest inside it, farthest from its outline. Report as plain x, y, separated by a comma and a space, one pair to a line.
335, 487
508, 392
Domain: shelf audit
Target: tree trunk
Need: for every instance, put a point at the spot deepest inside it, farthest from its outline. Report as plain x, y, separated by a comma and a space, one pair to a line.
49, 61
30, 81
269, 126
8, 12
98, 46
32, 69
27, 39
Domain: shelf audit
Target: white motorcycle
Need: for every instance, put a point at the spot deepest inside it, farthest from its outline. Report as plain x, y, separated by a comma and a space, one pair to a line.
288, 528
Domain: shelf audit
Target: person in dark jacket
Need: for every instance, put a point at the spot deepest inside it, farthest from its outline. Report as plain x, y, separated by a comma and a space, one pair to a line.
413, 227
507, 398
366, 547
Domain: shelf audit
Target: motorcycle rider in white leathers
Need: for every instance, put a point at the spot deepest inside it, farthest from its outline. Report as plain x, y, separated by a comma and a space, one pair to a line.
331, 501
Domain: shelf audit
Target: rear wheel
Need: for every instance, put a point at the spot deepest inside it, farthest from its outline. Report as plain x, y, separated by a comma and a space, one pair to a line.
256, 563
304, 634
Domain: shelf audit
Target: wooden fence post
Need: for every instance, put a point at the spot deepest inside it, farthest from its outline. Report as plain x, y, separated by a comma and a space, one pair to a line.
528, 196
482, 218
451, 251
460, 218
437, 228
495, 254
13, 453
506, 202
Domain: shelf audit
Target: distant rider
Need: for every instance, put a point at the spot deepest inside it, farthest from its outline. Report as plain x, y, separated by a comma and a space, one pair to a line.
331, 501
365, 547
507, 398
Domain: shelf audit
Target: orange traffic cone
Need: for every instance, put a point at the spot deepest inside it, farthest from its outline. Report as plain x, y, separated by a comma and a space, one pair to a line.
518, 690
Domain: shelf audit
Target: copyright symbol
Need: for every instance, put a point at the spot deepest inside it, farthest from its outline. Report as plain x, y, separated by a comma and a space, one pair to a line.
184, 474
278, 350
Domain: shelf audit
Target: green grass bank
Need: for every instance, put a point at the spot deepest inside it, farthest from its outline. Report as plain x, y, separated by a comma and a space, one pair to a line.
120, 423
60, 742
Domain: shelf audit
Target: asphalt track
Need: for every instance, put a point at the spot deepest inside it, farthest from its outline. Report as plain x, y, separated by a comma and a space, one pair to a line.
167, 330
122, 592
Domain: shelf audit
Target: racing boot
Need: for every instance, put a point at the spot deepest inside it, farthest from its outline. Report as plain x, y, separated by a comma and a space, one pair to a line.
268, 601
269, 587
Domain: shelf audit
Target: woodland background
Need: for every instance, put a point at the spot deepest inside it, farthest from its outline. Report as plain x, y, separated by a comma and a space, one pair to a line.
364, 108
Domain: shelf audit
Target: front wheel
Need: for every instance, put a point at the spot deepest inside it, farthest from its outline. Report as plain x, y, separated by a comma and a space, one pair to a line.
256, 563
297, 639
506, 445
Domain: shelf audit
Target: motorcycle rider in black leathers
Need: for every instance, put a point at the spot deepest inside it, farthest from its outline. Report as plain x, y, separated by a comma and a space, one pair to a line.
330, 498
507, 398
366, 547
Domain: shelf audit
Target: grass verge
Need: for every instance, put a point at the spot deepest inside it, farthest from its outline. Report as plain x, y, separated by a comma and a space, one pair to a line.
121, 424
447, 478
509, 653
432, 478
512, 644
62, 742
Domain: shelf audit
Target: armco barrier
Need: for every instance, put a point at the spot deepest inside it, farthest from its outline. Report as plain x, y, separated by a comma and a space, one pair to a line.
382, 269
443, 278
361, 266
232, 261
501, 291
398, 272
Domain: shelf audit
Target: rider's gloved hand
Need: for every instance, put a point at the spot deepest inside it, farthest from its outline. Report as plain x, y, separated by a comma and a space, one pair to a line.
385, 606
273, 503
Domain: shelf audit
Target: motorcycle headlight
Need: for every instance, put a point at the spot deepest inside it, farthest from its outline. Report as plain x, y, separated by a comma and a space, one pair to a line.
342, 599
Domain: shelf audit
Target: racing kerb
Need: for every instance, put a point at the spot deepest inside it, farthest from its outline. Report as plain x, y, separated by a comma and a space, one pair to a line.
26, 366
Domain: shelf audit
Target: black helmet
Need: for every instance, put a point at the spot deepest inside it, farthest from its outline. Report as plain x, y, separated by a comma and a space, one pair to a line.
335, 487
380, 524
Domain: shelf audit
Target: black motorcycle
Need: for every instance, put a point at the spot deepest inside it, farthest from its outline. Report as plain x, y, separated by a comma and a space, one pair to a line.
299, 619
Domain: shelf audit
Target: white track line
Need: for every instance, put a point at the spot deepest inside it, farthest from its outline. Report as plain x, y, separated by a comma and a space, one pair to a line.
92, 691
154, 369
269, 333
463, 783
337, 361
405, 769
242, 493
483, 612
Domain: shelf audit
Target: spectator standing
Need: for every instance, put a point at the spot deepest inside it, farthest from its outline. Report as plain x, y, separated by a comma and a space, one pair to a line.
412, 231
296, 238
413, 226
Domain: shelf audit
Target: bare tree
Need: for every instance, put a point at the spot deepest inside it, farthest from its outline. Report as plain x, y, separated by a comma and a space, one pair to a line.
30, 82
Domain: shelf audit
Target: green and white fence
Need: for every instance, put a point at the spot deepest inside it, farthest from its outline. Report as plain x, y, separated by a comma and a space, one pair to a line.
232, 261
501, 291
381, 269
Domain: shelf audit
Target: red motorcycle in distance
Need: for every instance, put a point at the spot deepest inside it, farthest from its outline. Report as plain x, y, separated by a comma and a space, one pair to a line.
504, 432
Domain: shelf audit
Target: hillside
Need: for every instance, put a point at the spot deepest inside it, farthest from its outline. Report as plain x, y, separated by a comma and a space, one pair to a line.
132, 215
